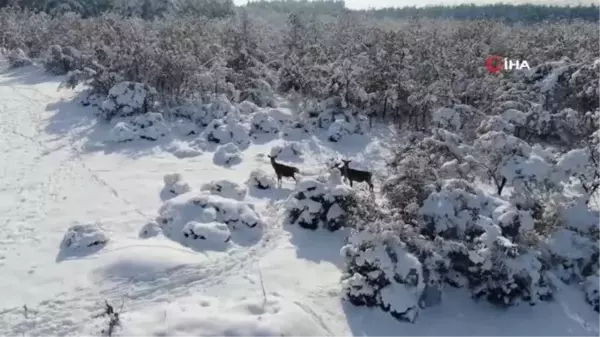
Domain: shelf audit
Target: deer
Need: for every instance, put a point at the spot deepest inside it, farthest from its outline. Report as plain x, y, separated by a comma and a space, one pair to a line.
283, 170
355, 175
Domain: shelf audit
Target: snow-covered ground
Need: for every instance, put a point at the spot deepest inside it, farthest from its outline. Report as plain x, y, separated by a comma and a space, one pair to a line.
55, 173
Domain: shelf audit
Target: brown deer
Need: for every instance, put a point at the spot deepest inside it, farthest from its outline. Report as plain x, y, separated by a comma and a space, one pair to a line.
355, 175
283, 170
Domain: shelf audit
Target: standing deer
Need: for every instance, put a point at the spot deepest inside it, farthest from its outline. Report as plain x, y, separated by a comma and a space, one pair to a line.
283, 170
356, 175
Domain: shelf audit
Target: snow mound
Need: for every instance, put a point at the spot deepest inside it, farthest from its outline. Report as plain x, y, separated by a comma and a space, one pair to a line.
150, 126
288, 151
183, 150
315, 204
82, 239
283, 117
17, 59
122, 132
174, 186
185, 128
227, 155
205, 114
226, 189
212, 235
261, 180
127, 99
295, 129
220, 132
247, 108
240, 217
204, 316
339, 129
151, 229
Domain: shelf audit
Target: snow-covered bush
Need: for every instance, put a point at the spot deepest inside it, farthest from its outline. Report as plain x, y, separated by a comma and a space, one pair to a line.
82, 239
573, 256
261, 180
262, 123
315, 204
227, 155
85, 75
341, 126
495, 123
149, 230
447, 118
150, 126
478, 238
411, 181
122, 132
383, 275
128, 99
221, 132
212, 235
17, 59
498, 153
506, 274
193, 215
226, 189
60, 61
217, 109
185, 128
174, 186
485, 234
295, 129
259, 92
591, 287
247, 108
337, 130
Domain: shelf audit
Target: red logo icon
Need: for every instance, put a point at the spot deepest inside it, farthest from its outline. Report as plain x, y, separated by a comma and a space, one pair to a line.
493, 64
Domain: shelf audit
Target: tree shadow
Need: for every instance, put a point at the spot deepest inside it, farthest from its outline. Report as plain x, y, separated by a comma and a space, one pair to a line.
241, 235
30, 75
271, 194
318, 245
81, 124
263, 138
79, 253
459, 315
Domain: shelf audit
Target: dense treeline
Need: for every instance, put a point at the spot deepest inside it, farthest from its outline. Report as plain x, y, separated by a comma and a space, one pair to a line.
509, 13
528, 13
329, 7
146, 9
